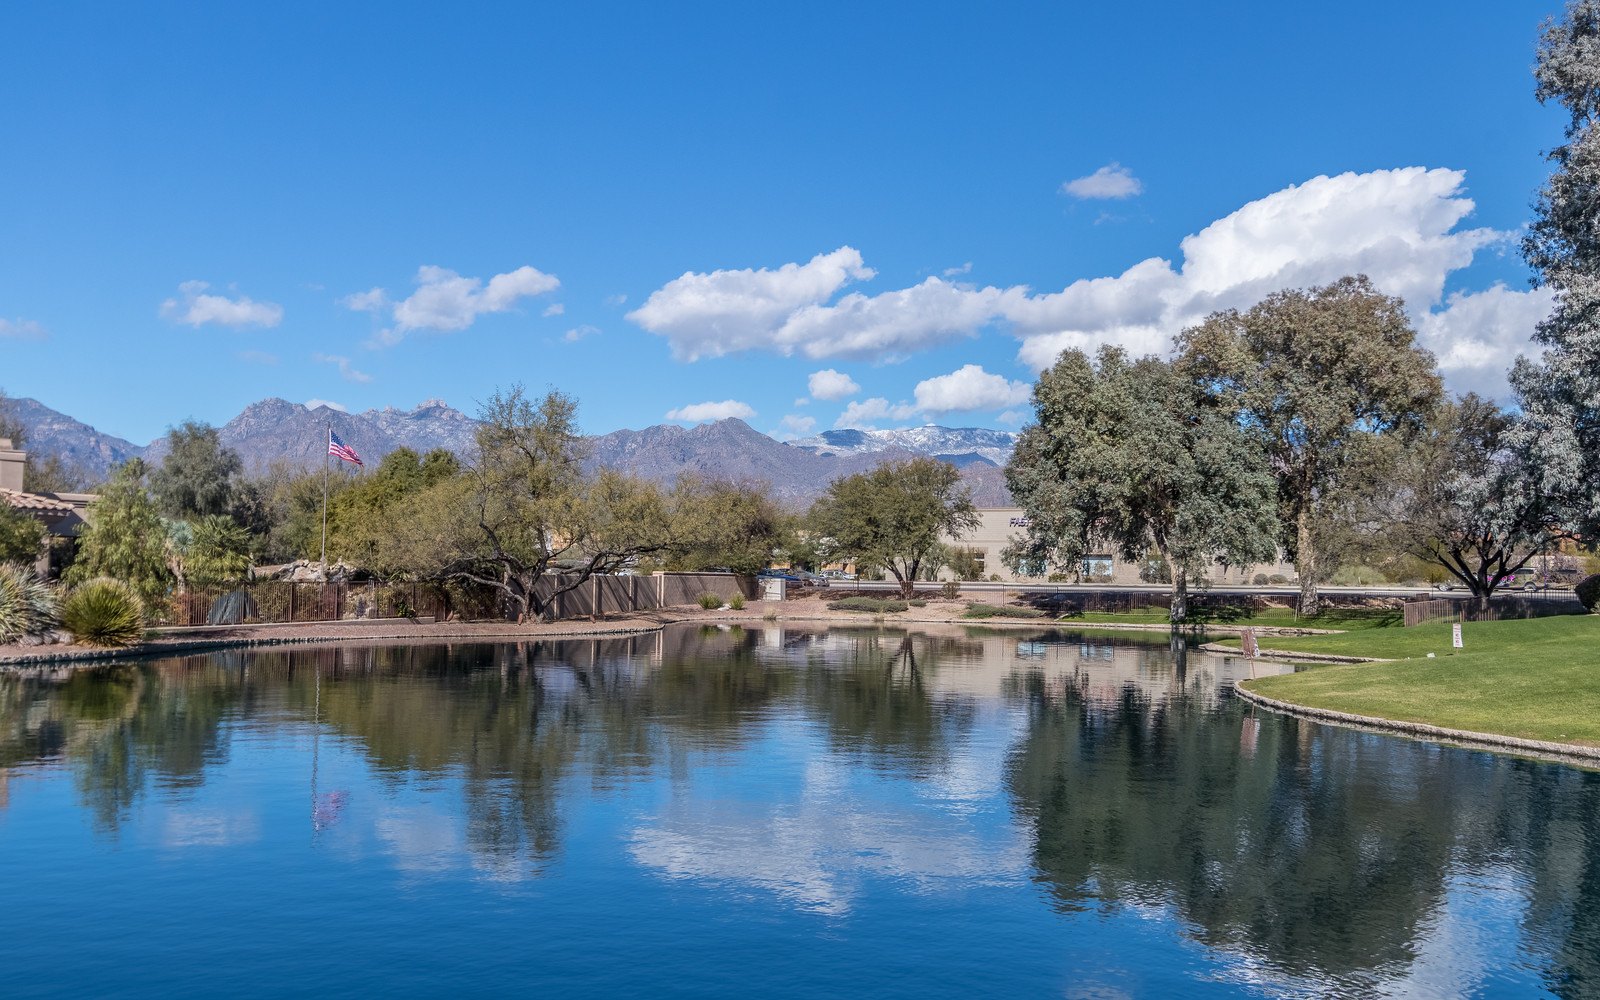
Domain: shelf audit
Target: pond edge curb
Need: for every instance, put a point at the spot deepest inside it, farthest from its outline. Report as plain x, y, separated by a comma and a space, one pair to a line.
1564, 752
147, 651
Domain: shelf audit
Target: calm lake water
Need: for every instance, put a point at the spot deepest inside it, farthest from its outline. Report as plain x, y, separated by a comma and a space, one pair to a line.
765, 812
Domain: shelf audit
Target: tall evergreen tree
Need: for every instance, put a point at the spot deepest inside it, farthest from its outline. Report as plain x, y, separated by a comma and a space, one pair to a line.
1560, 391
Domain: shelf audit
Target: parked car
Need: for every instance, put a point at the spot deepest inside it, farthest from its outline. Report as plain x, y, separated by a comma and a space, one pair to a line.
838, 574
780, 574
812, 579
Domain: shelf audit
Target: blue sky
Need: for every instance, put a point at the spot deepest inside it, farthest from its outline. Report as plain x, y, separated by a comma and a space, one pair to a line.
201, 206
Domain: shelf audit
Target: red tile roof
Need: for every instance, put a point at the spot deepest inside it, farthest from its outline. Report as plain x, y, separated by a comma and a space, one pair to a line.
35, 501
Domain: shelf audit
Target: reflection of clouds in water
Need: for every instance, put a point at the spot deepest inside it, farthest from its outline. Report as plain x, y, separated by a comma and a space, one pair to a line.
816, 849
1455, 947
210, 828
421, 840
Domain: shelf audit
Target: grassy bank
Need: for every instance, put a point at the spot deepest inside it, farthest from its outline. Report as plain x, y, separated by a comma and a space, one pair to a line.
1536, 679
1333, 618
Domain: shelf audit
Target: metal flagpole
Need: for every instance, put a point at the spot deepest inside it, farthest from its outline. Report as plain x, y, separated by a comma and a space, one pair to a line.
325, 452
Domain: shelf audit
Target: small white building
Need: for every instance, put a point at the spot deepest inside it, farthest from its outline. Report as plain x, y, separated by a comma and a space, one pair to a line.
998, 526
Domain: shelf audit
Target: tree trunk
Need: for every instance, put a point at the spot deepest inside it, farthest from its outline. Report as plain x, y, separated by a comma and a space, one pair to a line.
1305, 563
1180, 594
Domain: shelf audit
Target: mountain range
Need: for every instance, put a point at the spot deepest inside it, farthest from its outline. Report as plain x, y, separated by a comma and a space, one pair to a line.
276, 430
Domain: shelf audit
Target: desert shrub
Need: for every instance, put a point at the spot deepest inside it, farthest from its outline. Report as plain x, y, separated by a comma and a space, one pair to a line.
736, 602
1001, 611
1260, 580
104, 612
870, 605
994, 577
919, 602
709, 601
949, 590
27, 604
1588, 591
1277, 579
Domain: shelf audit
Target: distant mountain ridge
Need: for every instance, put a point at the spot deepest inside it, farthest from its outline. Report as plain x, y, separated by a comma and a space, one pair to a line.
959, 445
80, 447
276, 430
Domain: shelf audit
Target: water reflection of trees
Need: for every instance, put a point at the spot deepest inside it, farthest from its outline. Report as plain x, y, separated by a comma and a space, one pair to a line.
1321, 853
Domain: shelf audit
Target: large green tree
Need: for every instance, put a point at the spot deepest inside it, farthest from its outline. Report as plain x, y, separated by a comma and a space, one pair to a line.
1560, 391
524, 509
197, 475
361, 514
1316, 373
895, 515
1469, 498
125, 538
721, 523
1131, 453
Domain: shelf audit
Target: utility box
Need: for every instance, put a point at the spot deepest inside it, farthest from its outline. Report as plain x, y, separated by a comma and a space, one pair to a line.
774, 588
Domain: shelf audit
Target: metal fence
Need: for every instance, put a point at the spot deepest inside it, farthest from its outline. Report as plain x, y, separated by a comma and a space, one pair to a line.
281, 602
1499, 609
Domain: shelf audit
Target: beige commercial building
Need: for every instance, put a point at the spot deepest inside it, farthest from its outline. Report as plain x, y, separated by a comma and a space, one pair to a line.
998, 526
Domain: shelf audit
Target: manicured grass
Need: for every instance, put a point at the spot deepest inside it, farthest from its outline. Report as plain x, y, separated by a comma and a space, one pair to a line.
1333, 618
1536, 679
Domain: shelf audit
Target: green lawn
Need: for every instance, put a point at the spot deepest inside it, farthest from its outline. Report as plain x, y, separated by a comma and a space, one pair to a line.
1536, 679
1333, 618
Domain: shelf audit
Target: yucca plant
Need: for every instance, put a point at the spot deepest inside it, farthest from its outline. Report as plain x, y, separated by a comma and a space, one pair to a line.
104, 612
709, 601
27, 604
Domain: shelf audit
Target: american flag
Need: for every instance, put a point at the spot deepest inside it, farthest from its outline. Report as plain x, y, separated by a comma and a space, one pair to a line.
338, 449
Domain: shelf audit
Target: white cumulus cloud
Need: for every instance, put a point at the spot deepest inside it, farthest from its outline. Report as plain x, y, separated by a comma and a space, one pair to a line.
695, 413
795, 425
969, 388
1476, 334
1402, 228
195, 306
554, 309
577, 333
867, 414
1111, 181
1396, 226
723, 312
830, 384
444, 300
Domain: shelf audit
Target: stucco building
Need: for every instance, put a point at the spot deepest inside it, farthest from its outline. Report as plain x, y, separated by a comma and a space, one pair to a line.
997, 526
62, 514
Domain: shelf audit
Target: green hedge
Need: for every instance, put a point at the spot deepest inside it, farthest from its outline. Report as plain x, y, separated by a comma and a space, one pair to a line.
1588, 591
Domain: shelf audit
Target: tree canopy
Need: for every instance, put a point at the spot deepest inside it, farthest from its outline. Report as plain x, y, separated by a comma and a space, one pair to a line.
1316, 373
1130, 453
125, 538
1559, 392
895, 515
1469, 498
197, 475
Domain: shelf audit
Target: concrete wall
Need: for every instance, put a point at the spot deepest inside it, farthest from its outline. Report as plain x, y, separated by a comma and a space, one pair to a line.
997, 526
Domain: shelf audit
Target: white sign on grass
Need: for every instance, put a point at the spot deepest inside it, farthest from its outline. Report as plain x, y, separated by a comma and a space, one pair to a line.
1455, 635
